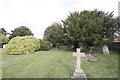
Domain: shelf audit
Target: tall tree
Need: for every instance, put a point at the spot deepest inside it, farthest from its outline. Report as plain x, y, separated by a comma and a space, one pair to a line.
110, 25
118, 27
73, 30
54, 34
20, 31
88, 28
3, 31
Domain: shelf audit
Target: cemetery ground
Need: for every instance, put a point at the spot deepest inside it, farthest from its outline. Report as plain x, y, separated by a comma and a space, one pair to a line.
57, 64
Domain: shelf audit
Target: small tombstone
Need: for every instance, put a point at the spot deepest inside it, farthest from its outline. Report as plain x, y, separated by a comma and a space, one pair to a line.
105, 49
4, 45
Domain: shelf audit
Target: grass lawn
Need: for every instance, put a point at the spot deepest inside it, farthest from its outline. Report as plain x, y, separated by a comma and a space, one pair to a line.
56, 64
106, 67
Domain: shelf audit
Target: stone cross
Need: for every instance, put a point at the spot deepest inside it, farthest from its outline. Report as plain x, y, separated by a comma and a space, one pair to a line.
79, 73
78, 62
82, 55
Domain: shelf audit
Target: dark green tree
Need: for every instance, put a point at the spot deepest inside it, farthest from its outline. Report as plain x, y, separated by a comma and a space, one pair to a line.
20, 31
118, 26
73, 30
3, 31
54, 34
88, 28
110, 27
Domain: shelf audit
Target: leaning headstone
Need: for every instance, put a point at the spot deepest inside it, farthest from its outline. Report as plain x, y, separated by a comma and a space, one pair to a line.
4, 45
105, 49
78, 71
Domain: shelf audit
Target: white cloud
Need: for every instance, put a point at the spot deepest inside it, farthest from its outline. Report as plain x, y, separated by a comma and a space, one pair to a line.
35, 14
39, 14
104, 5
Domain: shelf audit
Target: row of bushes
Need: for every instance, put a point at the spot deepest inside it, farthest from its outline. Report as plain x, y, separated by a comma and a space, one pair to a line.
45, 45
26, 44
3, 40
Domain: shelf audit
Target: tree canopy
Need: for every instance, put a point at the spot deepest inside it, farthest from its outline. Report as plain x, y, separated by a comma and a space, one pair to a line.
88, 28
20, 31
3, 31
54, 34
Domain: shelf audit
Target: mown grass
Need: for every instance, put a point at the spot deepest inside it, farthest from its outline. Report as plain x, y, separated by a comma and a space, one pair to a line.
57, 64
0, 63
106, 67
47, 64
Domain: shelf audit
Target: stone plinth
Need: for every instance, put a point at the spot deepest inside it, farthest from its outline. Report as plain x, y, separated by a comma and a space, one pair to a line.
80, 74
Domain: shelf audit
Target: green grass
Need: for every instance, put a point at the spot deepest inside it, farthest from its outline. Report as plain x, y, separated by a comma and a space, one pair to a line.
106, 67
56, 64
50, 64
0, 63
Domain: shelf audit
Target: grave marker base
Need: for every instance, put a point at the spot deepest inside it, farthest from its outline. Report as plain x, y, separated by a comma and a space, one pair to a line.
80, 74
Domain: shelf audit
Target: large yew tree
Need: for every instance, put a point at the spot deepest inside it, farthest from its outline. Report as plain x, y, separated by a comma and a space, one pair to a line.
54, 34
89, 28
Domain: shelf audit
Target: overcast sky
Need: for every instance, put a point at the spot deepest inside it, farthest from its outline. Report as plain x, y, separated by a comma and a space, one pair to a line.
39, 14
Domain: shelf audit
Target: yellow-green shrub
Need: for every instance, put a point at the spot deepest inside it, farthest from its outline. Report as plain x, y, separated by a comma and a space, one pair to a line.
23, 45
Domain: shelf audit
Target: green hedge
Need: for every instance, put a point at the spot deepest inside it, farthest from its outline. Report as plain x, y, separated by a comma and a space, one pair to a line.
3, 40
23, 45
45, 45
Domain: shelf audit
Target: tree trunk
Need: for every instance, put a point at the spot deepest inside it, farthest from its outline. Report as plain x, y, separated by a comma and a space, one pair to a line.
75, 46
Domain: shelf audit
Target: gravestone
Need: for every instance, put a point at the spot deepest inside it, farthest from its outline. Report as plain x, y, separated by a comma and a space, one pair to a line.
105, 49
78, 71
4, 45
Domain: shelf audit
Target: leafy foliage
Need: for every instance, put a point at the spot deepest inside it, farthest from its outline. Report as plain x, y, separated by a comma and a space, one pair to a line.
88, 28
3, 31
45, 45
23, 45
118, 27
110, 25
20, 31
3, 40
54, 34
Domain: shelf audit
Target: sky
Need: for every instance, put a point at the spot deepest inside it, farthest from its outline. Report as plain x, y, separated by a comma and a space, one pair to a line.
37, 15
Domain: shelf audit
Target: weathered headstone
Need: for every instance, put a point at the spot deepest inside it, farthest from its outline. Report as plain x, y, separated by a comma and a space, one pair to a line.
4, 45
105, 49
78, 71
